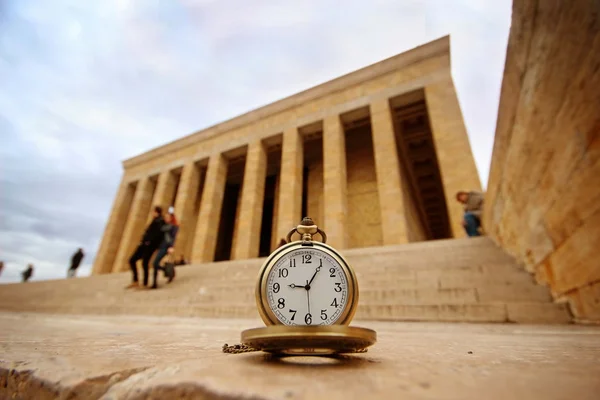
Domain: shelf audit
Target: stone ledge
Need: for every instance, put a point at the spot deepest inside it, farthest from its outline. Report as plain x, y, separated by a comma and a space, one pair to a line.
57, 356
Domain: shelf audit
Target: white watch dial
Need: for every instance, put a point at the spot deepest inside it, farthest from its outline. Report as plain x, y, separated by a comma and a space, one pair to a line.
307, 287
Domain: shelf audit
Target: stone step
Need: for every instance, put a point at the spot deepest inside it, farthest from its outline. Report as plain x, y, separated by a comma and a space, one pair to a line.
509, 294
374, 274
547, 313
447, 285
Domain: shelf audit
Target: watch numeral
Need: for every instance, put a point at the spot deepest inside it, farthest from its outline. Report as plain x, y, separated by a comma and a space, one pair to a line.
323, 315
281, 303
292, 262
306, 259
283, 273
293, 314
308, 319
276, 287
334, 303
338, 287
332, 272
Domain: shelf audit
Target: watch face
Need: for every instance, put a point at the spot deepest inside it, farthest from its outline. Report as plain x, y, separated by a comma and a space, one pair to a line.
307, 286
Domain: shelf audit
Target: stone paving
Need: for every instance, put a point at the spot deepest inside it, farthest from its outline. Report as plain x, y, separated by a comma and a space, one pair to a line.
47, 356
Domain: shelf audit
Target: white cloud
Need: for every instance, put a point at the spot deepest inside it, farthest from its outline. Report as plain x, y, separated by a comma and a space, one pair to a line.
88, 84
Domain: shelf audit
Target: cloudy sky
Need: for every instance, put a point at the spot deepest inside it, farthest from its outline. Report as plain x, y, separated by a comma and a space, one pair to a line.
86, 84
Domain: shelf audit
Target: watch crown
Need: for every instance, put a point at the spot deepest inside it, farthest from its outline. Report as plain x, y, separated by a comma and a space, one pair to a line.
307, 221
307, 228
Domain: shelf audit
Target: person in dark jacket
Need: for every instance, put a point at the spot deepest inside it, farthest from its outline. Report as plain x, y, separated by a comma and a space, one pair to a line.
75, 261
150, 242
169, 233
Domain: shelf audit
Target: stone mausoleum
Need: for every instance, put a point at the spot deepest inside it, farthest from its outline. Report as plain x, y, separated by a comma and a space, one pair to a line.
384, 147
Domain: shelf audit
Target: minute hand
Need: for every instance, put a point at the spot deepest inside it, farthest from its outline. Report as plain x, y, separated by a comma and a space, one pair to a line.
316, 271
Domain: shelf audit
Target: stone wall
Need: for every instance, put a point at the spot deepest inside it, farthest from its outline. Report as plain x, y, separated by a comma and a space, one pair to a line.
543, 195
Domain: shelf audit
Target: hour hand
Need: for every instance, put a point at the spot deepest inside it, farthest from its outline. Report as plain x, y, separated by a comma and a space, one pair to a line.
294, 286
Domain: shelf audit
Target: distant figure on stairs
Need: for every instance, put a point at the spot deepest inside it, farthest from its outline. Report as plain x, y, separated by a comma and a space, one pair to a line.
150, 242
28, 273
75, 261
473, 206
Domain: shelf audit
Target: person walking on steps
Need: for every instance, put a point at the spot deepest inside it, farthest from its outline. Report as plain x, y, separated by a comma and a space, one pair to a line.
150, 241
169, 233
473, 206
75, 261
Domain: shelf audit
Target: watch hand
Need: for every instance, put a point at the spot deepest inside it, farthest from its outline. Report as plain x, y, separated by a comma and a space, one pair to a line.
308, 297
315, 274
294, 286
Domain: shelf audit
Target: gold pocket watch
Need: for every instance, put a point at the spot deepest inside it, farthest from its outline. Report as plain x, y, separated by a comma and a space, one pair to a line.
307, 295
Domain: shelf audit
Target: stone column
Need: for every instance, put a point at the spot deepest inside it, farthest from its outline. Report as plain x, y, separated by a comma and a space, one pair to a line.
187, 196
207, 227
113, 232
134, 228
274, 226
289, 207
334, 182
247, 234
165, 190
457, 166
387, 167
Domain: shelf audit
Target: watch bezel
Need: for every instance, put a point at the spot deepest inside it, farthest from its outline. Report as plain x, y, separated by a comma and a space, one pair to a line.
267, 315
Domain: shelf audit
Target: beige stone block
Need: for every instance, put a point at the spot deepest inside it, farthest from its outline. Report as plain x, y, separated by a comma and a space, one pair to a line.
575, 263
389, 180
205, 238
546, 313
577, 202
251, 203
585, 302
335, 182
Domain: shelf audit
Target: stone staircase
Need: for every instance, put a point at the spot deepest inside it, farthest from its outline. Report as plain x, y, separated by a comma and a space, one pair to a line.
466, 280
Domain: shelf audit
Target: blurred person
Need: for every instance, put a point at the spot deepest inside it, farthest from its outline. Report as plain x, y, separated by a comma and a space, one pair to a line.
1, 266
75, 261
169, 233
28, 273
150, 241
473, 208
